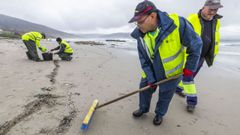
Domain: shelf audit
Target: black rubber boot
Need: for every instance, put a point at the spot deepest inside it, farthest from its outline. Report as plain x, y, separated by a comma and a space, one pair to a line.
138, 113
157, 120
190, 108
181, 94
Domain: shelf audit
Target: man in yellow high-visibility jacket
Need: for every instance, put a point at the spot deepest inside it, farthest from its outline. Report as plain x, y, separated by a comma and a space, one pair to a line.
65, 51
206, 24
32, 40
161, 39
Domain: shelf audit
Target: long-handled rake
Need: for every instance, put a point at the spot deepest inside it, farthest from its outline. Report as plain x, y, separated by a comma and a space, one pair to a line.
95, 105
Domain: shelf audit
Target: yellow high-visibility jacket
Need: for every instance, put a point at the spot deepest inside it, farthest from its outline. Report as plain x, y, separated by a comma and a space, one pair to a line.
36, 37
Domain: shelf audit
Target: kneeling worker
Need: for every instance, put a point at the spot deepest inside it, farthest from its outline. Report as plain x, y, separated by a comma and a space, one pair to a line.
65, 51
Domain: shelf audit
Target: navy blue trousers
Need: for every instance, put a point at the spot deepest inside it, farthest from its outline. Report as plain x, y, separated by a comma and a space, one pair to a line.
193, 100
164, 99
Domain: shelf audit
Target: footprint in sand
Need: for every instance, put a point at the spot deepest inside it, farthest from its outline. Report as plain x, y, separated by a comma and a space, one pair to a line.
120, 106
39, 70
121, 94
193, 121
220, 123
130, 100
76, 93
204, 132
146, 131
47, 88
10, 96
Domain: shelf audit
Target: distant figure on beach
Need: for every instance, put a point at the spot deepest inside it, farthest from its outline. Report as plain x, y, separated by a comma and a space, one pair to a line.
161, 40
206, 24
32, 40
65, 51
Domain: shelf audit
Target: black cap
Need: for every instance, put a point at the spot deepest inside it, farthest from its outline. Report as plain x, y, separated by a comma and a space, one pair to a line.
58, 39
143, 8
43, 35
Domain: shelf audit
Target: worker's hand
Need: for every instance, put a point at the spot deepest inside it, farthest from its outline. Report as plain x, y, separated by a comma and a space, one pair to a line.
43, 49
187, 72
153, 86
187, 75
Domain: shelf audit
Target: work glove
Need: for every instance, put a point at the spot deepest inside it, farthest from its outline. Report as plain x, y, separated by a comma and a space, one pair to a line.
187, 75
153, 86
43, 49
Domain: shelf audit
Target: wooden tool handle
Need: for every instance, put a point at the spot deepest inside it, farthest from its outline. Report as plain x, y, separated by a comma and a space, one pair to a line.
137, 91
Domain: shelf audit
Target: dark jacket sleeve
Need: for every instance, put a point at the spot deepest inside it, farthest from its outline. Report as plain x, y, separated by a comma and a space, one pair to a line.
62, 48
146, 66
55, 48
192, 42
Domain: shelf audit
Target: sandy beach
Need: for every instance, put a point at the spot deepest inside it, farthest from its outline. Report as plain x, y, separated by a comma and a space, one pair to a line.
53, 97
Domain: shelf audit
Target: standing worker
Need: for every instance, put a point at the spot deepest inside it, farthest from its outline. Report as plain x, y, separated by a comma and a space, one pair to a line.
206, 24
31, 40
161, 40
65, 51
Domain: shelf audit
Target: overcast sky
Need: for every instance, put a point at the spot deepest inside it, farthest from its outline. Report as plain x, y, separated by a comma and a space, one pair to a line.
106, 16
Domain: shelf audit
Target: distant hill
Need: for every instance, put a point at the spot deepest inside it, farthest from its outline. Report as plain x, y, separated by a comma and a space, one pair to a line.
20, 26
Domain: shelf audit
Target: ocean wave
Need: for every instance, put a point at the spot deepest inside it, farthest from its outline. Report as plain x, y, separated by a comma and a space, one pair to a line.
230, 44
229, 53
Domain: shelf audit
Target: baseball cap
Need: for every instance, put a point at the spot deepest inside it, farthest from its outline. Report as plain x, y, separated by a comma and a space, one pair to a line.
143, 8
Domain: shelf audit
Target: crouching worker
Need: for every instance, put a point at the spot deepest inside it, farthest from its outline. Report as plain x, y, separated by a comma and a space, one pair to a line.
65, 51
31, 40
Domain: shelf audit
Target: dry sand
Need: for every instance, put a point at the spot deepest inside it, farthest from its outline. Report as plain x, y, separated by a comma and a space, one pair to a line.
53, 97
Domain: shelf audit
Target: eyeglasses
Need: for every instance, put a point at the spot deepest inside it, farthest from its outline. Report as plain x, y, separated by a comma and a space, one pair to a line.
142, 21
212, 10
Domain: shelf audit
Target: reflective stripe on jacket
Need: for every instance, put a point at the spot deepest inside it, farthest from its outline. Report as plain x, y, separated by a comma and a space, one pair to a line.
154, 68
171, 50
67, 49
36, 37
